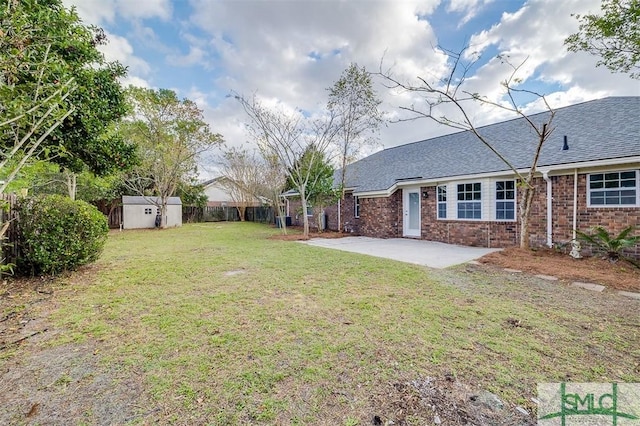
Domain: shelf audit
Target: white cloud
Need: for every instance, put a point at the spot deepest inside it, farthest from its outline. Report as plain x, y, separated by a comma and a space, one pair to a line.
135, 81
140, 9
270, 42
99, 12
119, 49
290, 52
94, 11
469, 7
196, 56
266, 46
533, 39
200, 98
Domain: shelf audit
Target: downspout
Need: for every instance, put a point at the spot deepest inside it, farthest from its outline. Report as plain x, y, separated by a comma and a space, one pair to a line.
339, 216
575, 244
575, 203
545, 176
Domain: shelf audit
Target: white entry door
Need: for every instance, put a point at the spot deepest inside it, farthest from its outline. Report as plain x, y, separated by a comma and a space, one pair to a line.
411, 209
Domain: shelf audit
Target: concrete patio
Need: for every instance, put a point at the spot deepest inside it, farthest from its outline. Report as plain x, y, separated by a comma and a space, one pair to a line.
427, 253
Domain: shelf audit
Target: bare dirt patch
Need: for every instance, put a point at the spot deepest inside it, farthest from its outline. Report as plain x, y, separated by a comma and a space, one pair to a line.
620, 275
21, 301
444, 400
65, 384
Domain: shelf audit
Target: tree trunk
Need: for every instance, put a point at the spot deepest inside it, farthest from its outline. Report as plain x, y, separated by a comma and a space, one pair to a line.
71, 184
305, 218
320, 219
279, 211
528, 193
343, 177
241, 212
163, 212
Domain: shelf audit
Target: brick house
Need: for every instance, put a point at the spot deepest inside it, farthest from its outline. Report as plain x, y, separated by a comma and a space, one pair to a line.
453, 189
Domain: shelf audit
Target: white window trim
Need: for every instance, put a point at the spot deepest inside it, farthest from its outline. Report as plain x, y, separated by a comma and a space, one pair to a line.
480, 201
438, 203
613, 206
515, 201
356, 207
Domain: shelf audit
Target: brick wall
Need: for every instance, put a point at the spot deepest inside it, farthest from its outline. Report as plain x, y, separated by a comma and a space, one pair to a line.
332, 217
470, 233
350, 223
379, 217
614, 219
382, 217
295, 211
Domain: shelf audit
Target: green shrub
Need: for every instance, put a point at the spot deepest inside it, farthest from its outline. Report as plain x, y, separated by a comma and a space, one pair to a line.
611, 245
58, 234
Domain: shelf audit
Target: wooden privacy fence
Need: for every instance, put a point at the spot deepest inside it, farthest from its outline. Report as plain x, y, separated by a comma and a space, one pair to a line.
9, 214
191, 214
225, 214
115, 217
259, 214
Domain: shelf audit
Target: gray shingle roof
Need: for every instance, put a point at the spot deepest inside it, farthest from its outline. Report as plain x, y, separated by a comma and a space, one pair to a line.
601, 129
138, 200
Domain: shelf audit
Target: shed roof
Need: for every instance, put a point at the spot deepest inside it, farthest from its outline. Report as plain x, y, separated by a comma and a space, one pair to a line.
606, 128
128, 200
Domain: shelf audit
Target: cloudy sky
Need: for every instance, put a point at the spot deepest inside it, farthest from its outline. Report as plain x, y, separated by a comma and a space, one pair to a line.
291, 51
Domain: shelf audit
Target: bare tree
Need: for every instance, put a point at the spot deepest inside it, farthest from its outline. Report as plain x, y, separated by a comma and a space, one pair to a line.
355, 103
451, 92
273, 179
242, 177
285, 137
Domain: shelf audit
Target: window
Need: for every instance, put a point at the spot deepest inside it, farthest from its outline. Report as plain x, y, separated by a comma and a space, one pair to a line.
469, 201
613, 189
442, 201
505, 200
356, 206
147, 211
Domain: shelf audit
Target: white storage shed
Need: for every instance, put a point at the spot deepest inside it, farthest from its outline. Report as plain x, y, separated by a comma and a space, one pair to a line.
140, 212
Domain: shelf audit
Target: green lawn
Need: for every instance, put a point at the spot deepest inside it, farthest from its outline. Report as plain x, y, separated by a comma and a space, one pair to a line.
223, 325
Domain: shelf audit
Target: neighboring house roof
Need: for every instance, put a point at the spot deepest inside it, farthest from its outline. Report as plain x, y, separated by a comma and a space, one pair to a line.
596, 130
217, 191
141, 201
290, 193
219, 179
